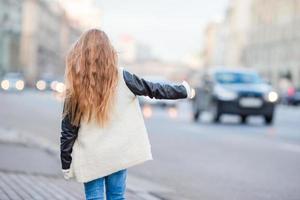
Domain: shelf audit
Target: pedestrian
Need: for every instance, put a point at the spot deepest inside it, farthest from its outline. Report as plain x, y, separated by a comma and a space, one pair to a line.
103, 132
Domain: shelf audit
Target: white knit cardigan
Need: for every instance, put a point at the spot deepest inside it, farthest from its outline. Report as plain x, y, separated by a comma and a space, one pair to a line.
98, 152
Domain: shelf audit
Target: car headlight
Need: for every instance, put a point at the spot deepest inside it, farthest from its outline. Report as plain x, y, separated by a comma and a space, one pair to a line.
41, 85
53, 85
225, 95
60, 87
271, 97
19, 85
5, 84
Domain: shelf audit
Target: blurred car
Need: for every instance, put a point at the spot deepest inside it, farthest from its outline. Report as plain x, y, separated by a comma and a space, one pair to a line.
46, 83
235, 91
58, 85
292, 96
13, 82
154, 102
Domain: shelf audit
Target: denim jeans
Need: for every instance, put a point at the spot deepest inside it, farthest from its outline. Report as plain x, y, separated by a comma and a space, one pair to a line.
115, 186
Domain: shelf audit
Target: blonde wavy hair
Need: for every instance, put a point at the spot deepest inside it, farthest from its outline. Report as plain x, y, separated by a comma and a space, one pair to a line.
91, 78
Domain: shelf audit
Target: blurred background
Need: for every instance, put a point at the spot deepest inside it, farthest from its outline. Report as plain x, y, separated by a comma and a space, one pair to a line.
239, 137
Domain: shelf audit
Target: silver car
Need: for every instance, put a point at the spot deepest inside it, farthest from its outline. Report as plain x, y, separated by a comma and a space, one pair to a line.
13, 82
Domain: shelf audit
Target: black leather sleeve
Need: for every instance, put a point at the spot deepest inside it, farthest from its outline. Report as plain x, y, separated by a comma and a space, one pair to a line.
69, 134
140, 86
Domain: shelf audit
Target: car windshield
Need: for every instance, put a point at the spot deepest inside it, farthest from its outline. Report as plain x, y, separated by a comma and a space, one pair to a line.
12, 76
237, 78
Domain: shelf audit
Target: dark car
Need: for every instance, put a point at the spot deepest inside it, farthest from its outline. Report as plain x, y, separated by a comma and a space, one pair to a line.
13, 82
50, 83
45, 82
235, 91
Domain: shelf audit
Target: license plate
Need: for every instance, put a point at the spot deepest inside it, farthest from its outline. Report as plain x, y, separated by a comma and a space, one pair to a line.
250, 102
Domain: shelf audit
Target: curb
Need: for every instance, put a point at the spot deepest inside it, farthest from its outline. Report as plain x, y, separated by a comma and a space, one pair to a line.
8, 135
138, 188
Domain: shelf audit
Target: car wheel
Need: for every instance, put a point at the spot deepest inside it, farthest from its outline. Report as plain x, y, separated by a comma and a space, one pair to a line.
216, 115
243, 119
269, 119
196, 115
216, 118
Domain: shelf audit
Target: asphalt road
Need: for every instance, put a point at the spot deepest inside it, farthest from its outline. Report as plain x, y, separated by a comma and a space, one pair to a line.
195, 160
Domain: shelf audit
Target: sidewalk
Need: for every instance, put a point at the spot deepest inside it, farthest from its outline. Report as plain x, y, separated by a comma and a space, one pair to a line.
33, 173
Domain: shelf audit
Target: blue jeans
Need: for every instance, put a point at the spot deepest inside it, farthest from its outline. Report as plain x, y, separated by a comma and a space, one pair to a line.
115, 186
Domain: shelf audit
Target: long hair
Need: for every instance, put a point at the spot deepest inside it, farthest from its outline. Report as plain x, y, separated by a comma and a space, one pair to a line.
91, 78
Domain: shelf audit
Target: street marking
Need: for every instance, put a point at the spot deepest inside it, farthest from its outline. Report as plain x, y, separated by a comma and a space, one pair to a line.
290, 147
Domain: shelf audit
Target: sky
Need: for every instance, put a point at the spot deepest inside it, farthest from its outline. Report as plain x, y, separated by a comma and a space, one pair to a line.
172, 28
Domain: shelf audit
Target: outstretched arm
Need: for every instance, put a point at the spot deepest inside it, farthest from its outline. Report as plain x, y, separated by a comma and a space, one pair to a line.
142, 87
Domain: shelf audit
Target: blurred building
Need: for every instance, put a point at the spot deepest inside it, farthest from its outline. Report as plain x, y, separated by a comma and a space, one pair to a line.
225, 39
35, 36
139, 58
237, 25
213, 52
274, 39
86, 13
262, 34
40, 40
155, 68
10, 31
46, 33
131, 51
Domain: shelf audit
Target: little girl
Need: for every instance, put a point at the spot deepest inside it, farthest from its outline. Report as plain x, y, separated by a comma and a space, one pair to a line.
103, 131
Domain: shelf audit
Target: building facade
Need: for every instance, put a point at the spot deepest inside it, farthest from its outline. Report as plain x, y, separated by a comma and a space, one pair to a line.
46, 34
131, 51
259, 34
215, 44
225, 39
274, 40
10, 32
34, 37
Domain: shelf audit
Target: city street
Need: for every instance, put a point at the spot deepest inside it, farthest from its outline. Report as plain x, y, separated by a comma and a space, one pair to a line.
194, 161
230, 56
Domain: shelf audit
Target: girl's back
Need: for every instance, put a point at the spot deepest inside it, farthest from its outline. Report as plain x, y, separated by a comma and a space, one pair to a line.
103, 131
122, 143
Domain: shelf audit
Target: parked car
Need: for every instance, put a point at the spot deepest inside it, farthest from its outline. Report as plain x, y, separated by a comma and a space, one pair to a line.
13, 82
48, 82
234, 91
